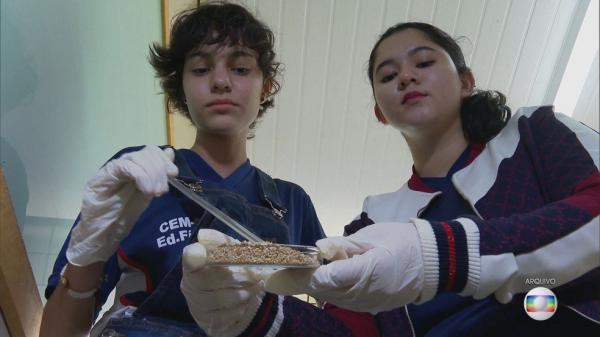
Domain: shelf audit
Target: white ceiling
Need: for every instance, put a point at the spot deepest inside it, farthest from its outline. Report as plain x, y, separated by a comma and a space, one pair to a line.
322, 133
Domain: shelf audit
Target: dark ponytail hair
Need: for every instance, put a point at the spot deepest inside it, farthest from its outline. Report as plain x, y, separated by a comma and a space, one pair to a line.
484, 113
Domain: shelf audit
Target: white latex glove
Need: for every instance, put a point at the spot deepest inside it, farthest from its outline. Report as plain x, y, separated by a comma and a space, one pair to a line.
222, 300
115, 198
378, 268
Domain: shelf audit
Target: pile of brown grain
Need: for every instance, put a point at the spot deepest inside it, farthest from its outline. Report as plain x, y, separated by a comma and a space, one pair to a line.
259, 253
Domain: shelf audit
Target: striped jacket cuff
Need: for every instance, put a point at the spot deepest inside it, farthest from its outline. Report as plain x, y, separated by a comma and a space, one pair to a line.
268, 318
451, 260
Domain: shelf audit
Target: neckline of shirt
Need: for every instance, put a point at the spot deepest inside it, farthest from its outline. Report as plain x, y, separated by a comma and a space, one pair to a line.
461, 162
205, 172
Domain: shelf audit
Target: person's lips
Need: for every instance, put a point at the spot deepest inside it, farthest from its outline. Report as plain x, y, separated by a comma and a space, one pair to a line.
412, 96
220, 102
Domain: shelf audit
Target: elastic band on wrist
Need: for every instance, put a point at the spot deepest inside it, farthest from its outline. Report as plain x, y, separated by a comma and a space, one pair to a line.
81, 295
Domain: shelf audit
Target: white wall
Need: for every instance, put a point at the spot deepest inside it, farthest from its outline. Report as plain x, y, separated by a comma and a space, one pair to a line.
75, 88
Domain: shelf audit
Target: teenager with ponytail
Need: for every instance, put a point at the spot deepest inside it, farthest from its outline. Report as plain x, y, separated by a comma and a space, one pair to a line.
495, 203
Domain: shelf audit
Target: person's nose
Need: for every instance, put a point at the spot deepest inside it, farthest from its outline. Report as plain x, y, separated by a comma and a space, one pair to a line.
407, 76
220, 80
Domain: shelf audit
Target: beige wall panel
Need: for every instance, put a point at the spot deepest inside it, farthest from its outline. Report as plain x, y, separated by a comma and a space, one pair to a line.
316, 57
262, 147
468, 25
510, 46
446, 13
291, 50
564, 27
488, 40
532, 54
339, 74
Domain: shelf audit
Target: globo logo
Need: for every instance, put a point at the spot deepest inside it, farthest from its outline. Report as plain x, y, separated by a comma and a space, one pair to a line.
540, 303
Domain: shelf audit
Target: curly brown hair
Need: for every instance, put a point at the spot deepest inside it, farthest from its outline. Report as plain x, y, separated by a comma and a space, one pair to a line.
212, 23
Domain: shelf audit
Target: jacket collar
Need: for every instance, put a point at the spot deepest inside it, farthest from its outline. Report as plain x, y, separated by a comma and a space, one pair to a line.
474, 180
421, 195
415, 182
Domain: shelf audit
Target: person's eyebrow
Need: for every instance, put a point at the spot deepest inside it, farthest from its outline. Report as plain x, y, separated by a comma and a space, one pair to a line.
236, 53
410, 52
198, 53
242, 53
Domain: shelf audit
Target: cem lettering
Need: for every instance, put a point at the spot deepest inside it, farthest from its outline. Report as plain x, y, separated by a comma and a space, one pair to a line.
175, 224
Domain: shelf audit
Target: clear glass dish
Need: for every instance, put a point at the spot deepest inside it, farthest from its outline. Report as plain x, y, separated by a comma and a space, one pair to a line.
265, 255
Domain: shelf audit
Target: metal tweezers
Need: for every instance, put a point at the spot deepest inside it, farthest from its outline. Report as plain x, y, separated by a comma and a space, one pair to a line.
210, 208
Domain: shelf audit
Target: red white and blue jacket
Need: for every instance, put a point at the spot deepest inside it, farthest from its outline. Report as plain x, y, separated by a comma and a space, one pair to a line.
535, 193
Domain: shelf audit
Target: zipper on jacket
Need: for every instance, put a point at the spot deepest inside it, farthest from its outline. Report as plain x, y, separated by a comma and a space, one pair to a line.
424, 208
460, 192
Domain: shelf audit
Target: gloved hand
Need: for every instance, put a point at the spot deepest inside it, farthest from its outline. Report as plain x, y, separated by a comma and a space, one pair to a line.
115, 198
378, 268
222, 300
